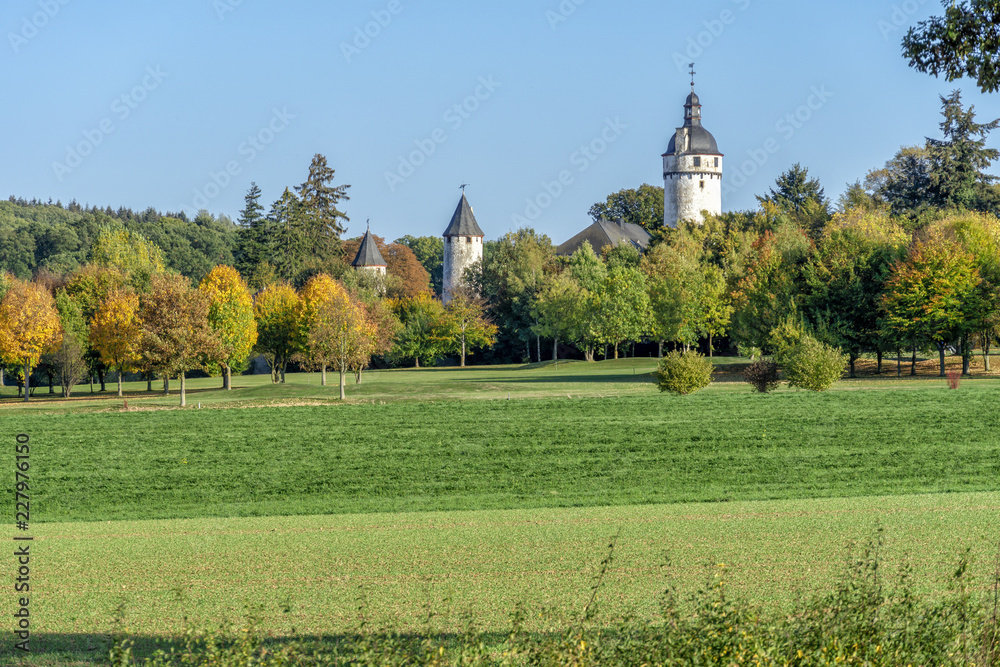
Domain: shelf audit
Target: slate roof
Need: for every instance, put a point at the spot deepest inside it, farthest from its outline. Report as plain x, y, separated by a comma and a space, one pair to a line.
701, 141
463, 223
368, 254
605, 232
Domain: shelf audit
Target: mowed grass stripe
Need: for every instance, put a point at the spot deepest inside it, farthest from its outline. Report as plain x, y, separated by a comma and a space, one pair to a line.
313, 573
468, 455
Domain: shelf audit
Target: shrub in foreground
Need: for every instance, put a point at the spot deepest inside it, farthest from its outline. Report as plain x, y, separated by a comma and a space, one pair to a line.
762, 375
684, 373
813, 365
865, 619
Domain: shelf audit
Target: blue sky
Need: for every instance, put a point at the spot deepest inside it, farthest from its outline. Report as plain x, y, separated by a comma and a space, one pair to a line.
182, 104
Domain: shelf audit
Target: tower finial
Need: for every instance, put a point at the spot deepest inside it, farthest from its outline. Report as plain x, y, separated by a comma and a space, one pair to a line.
692, 77
368, 223
463, 186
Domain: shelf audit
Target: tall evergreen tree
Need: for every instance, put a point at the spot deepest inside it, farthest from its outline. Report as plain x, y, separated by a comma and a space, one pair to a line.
288, 241
802, 198
959, 161
251, 244
322, 221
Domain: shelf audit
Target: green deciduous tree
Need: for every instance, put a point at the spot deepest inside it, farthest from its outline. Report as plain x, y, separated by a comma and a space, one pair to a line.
623, 307
932, 294
130, 253
68, 360
465, 324
421, 337
641, 206
963, 42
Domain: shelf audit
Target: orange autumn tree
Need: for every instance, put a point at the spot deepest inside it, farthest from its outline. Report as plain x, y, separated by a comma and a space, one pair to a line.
116, 331
176, 336
29, 326
231, 317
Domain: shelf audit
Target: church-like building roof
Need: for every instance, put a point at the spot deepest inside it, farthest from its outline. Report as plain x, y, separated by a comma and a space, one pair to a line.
463, 223
699, 140
368, 253
605, 232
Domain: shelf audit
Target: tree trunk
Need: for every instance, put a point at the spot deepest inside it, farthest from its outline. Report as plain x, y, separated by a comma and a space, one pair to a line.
899, 363
101, 377
183, 394
555, 350
27, 380
913, 361
149, 382
616, 350
416, 362
52, 388
463, 350
659, 354
120, 382
878, 356
166, 384
966, 354
710, 351
851, 358
342, 383
284, 367
538, 343
91, 382
941, 358
986, 353
322, 376
227, 378
357, 375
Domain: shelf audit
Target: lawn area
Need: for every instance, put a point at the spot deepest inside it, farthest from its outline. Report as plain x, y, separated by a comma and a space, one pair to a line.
376, 456
475, 489
314, 573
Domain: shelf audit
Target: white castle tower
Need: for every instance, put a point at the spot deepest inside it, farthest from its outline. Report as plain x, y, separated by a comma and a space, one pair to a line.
463, 246
692, 169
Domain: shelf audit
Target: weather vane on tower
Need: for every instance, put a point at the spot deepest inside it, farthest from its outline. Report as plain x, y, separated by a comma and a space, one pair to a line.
692, 77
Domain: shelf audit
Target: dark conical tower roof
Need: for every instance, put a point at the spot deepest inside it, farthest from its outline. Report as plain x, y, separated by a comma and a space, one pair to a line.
463, 223
368, 254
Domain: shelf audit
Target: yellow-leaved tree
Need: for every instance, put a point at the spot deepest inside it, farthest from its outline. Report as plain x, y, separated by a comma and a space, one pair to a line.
319, 290
230, 314
276, 311
116, 331
29, 326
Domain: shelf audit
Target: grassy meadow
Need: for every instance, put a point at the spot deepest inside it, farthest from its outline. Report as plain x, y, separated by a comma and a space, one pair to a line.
473, 490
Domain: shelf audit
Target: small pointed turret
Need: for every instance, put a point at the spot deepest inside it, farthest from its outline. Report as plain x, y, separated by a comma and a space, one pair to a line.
369, 258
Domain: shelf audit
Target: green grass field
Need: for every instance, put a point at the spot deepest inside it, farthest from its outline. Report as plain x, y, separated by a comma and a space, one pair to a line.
475, 489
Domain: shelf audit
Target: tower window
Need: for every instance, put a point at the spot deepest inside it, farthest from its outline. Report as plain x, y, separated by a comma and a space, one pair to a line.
697, 162
468, 239
702, 185
716, 163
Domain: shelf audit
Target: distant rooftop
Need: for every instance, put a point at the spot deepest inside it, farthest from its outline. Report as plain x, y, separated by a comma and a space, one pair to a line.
605, 232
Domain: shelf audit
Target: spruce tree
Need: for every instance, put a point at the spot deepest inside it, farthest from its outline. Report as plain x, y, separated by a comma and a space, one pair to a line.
251, 243
323, 223
959, 161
